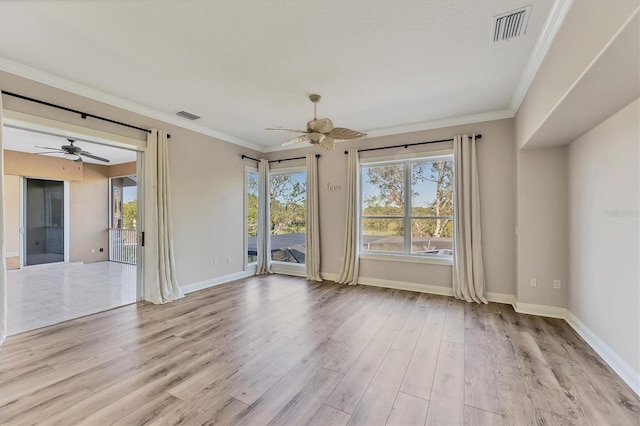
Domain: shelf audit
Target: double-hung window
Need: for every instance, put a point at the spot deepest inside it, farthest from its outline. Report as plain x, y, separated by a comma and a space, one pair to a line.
407, 207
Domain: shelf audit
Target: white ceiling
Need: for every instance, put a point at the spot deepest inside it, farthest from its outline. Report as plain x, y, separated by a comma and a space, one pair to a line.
27, 141
381, 66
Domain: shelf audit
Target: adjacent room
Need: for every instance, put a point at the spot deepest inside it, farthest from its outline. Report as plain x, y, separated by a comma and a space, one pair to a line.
70, 228
320, 212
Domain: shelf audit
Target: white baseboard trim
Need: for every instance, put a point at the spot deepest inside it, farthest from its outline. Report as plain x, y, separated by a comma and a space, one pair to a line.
507, 299
540, 310
12, 254
403, 285
624, 370
190, 288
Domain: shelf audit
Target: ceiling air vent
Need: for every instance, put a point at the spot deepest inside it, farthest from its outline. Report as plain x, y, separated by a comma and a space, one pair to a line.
187, 115
511, 24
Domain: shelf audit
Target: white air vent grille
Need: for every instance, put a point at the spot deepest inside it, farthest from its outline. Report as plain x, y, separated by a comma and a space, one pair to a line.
511, 24
187, 115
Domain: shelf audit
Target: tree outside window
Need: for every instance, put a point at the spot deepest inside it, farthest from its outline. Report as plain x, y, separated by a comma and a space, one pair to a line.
415, 195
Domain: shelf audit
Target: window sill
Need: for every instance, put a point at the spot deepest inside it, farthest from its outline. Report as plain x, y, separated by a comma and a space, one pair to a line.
433, 260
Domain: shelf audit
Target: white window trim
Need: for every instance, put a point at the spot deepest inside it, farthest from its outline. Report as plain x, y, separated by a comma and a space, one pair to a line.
402, 257
245, 208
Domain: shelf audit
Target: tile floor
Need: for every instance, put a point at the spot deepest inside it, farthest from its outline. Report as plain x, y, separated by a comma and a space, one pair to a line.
45, 295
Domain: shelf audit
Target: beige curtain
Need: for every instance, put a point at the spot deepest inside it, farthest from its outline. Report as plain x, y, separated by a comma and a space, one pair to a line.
3, 253
468, 268
312, 257
160, 283
264, 220
351, 262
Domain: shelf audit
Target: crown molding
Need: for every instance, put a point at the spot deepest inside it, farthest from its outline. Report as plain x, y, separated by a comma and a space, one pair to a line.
419, 127
556, 17
97, 95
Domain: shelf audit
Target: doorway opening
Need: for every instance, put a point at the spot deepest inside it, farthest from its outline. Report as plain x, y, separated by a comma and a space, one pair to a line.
59, 221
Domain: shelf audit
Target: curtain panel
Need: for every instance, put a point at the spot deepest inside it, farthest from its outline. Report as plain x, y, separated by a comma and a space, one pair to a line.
312, 258
351, 263
160, 282
468, 267
3, 253
264, 220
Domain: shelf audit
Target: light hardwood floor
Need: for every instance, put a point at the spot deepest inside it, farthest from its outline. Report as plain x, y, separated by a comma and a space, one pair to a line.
281, 350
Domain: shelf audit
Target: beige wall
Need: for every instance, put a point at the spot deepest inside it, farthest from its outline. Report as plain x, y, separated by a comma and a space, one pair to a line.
604, 289
207, 179
497, 167
542, 225
587, 28
89, 216
120, 170
40, 166
12, 214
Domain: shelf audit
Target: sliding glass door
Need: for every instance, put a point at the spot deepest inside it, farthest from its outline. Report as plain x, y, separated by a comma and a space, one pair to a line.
44, 236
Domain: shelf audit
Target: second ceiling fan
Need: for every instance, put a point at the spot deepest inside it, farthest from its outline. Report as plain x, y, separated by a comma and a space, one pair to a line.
320, 131
71, 149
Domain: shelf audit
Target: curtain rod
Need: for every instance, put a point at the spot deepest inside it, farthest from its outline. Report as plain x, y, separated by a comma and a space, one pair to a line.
278, 161
84, 115
406, 145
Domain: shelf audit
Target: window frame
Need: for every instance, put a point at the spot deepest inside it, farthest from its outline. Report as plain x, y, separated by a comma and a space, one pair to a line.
278, 266
247, 169
406, 161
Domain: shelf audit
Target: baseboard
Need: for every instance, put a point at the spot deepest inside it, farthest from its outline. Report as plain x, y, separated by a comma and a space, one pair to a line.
624, 370
507, 299
403, 285
12, 254
190, 288
540, 310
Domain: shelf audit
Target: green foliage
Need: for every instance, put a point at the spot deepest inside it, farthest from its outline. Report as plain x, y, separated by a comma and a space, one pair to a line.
389, 200
287, 197
129, 213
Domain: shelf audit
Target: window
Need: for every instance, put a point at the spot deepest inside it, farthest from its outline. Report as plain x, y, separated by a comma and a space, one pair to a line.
287, 192
407, 207
251, 213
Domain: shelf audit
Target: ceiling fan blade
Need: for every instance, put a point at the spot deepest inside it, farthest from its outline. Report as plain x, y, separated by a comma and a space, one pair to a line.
303, 138
340, 133
49, 153
322, 125
89, 155
278, 129
48, 147
327, 143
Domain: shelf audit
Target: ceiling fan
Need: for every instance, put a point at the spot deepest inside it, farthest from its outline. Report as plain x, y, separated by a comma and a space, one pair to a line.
71, 150
320, 131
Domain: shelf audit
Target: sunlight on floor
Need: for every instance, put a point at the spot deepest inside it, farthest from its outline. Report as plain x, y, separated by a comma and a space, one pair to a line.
46, 295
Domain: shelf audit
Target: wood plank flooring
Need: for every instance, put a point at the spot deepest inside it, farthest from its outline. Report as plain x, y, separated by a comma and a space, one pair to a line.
281, 350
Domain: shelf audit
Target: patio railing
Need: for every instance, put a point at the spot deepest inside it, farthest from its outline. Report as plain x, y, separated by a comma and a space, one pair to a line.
122, 245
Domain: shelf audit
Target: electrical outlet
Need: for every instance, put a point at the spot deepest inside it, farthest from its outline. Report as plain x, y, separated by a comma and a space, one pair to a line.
93, 250
228, 259
215, 262
533, 282
557, 284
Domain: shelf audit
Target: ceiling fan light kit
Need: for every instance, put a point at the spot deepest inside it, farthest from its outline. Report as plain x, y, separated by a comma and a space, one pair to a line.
320, 131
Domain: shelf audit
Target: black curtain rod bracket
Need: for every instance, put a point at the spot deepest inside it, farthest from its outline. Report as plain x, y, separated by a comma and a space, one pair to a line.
407, 145
83, 115
248, 158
